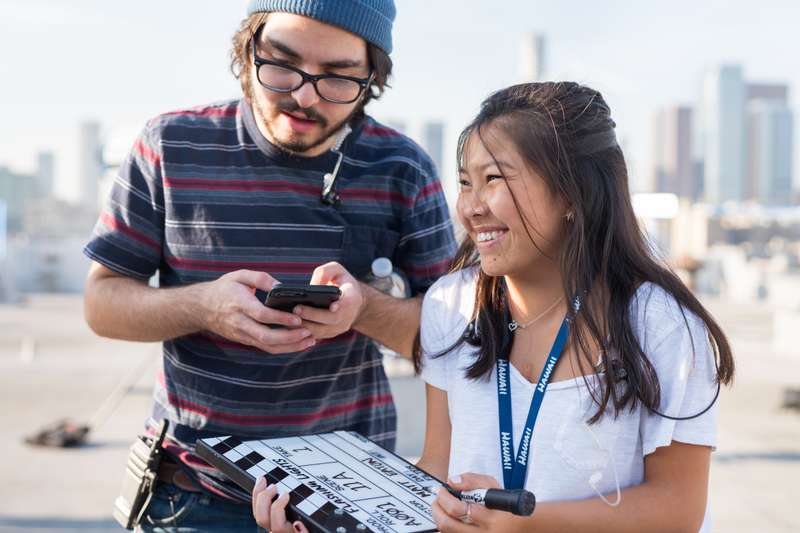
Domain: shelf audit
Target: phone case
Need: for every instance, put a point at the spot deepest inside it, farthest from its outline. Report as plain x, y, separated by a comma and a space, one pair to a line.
285, 297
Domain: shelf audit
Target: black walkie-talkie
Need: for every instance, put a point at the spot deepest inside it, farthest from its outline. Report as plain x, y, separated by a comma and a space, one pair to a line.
139, 480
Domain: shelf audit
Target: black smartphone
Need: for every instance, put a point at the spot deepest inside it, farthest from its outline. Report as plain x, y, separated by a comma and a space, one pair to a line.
285, 297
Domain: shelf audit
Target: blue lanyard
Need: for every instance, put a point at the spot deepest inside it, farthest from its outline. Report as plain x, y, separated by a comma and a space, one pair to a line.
514, 472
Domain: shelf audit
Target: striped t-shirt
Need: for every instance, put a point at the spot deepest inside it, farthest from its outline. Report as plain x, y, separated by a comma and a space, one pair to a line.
203, 193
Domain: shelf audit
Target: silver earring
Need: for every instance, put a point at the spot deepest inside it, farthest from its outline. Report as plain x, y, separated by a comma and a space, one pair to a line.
570, 216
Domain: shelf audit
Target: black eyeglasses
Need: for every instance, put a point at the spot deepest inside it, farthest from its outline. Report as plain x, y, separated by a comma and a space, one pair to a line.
283, 78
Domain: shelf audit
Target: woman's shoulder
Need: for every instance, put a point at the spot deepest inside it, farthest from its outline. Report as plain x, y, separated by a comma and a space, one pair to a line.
655, 313
453, 287
448, 305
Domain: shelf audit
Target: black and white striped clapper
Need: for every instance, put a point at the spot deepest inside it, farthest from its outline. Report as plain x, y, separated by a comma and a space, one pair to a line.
339, 482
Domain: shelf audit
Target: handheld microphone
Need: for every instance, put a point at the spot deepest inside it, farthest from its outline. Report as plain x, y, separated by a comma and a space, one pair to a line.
520, 502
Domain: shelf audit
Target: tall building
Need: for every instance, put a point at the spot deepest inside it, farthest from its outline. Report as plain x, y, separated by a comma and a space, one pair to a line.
674, 170
532, 57
433, 143
5, 283
768, 91
16, 191
770, 136
3, 238
45, 170
90, 163
769, 144
723, 126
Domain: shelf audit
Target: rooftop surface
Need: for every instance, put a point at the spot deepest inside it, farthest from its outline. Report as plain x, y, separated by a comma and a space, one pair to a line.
52, 367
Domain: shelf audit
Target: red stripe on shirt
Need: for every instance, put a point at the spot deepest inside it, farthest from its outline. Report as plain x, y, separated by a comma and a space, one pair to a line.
230, 266
282, 185
240, 185
117, 225
206, 112
268, 420
150, 155
347, 337
372, 194
429, 189
435, 269
379, 131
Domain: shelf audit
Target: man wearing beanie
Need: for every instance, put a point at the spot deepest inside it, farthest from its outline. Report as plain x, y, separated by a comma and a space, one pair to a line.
290, 183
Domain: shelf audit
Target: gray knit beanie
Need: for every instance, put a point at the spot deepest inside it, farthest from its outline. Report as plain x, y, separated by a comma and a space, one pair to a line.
370, 19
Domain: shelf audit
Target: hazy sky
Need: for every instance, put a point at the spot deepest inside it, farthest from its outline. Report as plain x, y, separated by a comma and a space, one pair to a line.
121, 63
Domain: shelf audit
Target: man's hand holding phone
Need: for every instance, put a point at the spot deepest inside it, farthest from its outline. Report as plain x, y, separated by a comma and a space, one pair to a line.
341, 314
230, 310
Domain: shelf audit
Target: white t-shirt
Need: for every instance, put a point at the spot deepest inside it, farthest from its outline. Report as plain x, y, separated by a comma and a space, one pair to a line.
570, 460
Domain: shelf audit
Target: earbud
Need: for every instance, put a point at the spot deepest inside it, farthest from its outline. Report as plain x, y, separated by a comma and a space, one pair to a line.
597, 476
329, 196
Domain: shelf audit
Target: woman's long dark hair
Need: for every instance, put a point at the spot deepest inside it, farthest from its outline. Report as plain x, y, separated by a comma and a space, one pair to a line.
565, 133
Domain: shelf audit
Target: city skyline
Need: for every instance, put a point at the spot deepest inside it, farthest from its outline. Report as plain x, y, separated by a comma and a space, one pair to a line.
734, 145
636, 80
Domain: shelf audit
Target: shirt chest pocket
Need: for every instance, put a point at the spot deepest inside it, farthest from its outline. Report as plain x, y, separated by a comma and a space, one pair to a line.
363, 244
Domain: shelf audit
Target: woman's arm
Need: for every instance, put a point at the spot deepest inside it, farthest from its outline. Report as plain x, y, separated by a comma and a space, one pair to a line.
671, 498
436, 451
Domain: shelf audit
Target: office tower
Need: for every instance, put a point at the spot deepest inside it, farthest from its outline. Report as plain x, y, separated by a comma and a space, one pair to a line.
433, 143
16, 191
532, 57
723, 125
698, 173
768, 91
45, 170
769, 124
674, 170
90, 163
3, 236
769, 144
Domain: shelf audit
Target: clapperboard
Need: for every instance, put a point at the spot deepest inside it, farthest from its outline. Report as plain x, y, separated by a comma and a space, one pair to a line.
338, 482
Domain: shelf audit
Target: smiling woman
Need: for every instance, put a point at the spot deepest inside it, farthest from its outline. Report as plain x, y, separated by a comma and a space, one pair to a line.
554, 267
507, 208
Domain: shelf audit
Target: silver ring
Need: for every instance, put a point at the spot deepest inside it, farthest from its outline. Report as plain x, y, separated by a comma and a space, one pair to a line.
466, 517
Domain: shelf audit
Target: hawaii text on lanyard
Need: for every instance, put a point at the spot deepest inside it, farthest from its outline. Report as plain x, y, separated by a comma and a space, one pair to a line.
514, 471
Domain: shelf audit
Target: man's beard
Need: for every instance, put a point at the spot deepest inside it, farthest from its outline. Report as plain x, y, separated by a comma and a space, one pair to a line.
289, 105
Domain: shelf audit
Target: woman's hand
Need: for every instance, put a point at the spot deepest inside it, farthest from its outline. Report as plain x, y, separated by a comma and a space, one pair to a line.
271, 515
451, 514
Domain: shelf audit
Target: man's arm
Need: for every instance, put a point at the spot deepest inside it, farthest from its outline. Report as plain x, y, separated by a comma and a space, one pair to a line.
393, 322
121, 307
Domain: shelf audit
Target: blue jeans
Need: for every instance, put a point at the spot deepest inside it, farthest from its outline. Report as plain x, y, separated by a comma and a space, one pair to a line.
173, 510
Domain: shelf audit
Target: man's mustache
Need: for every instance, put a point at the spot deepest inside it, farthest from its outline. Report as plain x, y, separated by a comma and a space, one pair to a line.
290, 106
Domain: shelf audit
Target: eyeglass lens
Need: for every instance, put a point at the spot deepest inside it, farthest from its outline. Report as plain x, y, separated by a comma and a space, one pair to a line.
283, 79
